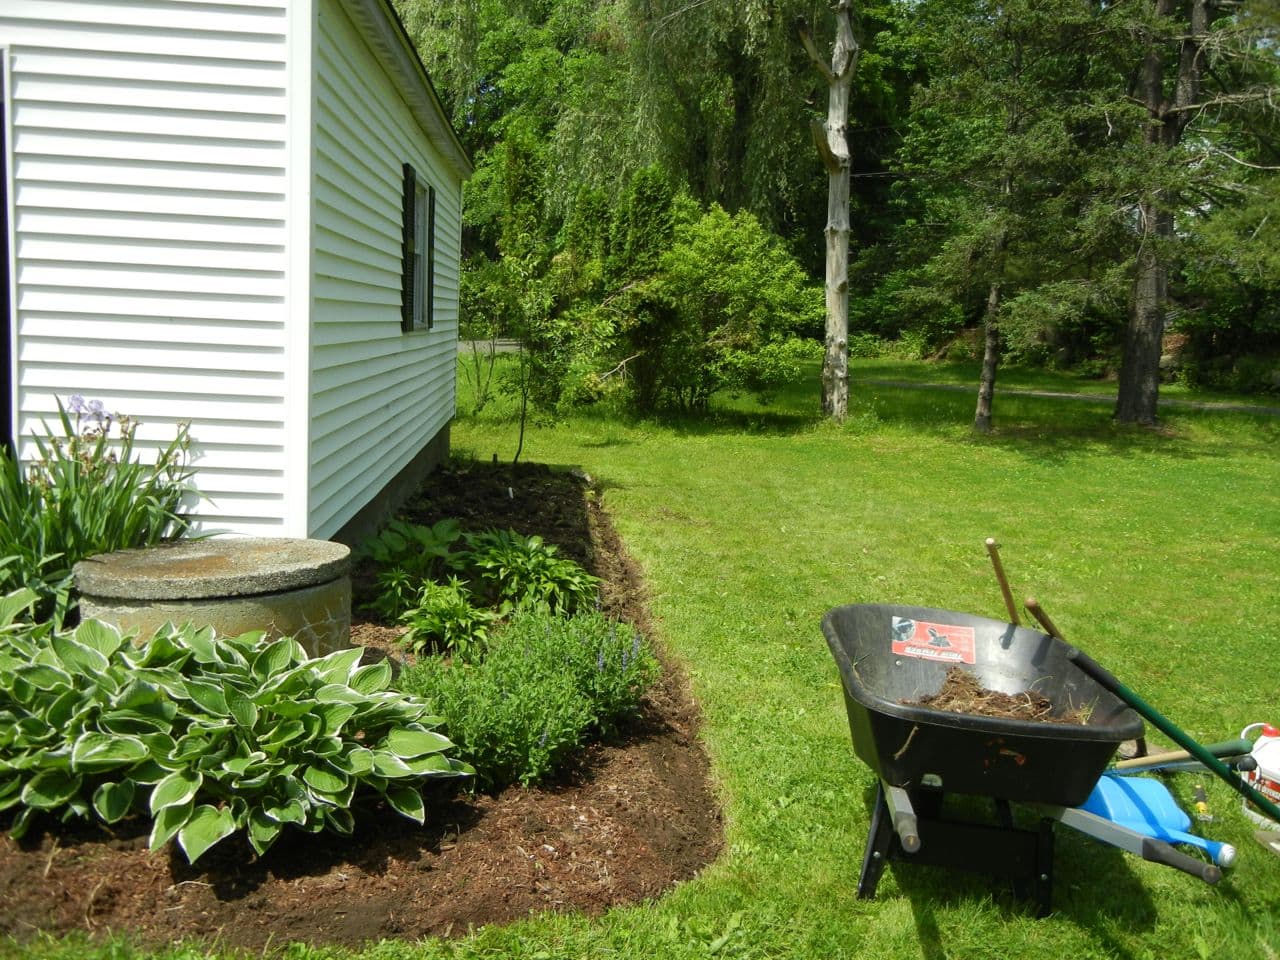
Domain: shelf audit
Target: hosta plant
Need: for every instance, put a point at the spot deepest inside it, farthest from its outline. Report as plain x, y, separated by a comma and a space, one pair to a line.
420, 551
517, 571
207, 735
442, 616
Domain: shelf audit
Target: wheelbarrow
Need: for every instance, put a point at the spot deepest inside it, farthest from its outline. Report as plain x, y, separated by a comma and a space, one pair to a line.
890, 657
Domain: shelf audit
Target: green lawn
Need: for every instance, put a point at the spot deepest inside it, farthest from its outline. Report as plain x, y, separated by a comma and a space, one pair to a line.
1154, 552
966, 373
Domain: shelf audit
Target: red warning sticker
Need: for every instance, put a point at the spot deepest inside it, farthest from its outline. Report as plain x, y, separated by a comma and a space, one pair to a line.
933, 641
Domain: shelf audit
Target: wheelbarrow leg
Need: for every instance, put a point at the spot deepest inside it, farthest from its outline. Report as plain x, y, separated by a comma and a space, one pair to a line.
1036, 885
879, 840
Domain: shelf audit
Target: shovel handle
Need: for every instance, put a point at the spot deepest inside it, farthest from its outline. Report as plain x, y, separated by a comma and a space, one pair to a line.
993, 550
1228, 748
1037, 611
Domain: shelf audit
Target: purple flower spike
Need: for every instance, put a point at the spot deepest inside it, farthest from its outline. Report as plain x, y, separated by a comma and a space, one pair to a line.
75, 403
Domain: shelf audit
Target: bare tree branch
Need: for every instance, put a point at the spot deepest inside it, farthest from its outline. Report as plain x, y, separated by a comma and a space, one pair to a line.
811, 48
1234, 159
621, 368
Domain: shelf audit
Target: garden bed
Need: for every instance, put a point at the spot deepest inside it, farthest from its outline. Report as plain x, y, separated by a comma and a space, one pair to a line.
630, 820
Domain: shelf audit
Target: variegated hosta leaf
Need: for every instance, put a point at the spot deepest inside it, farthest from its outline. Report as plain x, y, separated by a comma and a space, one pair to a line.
12, 604
94, 751
209, 736
406, 743
177, 789
111, 801
167, 823
206, 826
407, 802
263, 831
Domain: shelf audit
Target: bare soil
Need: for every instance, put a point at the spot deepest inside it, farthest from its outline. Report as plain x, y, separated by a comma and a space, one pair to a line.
633, 818
962, 693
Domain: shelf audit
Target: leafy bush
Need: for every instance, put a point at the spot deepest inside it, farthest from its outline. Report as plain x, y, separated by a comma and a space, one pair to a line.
443, 616
510, 717
420, 551
721, 310
543, 684
85, 494
514, 570
209, 735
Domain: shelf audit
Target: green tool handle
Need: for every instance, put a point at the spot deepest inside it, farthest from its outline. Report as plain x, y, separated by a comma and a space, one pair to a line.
1166, 726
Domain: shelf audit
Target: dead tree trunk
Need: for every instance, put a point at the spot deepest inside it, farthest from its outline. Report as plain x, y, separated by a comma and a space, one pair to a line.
832, 142
991, 316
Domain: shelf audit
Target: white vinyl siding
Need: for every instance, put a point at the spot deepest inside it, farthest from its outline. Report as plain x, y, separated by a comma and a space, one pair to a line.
378, 395
150, 190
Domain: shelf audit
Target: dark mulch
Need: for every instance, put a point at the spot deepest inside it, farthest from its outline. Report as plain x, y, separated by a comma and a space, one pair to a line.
630, 820
962, 692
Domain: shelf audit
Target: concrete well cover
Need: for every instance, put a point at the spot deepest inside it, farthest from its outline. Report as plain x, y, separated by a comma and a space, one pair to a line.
229, 567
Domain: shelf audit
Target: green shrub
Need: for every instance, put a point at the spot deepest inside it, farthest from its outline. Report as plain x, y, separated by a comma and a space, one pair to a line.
85, 494
422, 552
611, 665
513, 570
510, 717
720, 311
397, 591
207, 735
543, 685
443, 616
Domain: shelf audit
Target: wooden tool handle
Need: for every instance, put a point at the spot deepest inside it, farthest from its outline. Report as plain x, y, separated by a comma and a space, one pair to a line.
993, 550
1228, 748
1037, 611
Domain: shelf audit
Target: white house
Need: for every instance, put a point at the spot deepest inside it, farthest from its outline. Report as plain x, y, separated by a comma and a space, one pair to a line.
243, 213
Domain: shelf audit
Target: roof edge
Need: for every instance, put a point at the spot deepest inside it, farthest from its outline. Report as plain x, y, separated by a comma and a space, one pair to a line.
387, 36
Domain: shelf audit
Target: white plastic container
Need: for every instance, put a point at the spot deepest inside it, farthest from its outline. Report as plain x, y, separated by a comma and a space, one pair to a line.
1266, 778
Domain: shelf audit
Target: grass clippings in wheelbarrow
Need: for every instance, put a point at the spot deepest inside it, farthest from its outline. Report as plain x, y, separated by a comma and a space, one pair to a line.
962, 693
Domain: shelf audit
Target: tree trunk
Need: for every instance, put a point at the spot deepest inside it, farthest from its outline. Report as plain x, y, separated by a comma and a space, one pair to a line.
990, 360
1139, 390
833, 146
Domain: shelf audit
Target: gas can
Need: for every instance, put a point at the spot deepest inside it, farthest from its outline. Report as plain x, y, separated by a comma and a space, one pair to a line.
1265, 778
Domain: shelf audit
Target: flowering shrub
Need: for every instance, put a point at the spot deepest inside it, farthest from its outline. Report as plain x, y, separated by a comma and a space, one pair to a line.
84, 494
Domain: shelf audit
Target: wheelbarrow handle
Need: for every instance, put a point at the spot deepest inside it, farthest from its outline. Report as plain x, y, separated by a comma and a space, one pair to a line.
1148, 848
1157, 851
1104, 677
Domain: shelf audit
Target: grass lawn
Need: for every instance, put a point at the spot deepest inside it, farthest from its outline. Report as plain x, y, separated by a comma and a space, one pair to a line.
1154, 552
966, 373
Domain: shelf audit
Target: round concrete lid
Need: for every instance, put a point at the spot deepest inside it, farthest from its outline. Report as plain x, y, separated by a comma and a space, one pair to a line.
229, 567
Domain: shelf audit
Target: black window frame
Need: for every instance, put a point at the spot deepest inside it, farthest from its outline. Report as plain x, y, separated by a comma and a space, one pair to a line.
418, 267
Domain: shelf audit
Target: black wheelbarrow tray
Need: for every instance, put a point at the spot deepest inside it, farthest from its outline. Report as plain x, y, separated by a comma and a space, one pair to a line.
890, 657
